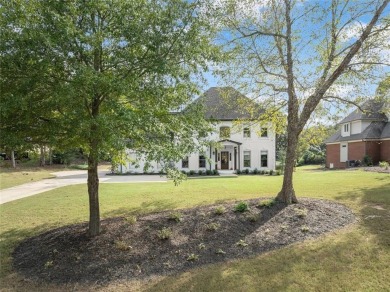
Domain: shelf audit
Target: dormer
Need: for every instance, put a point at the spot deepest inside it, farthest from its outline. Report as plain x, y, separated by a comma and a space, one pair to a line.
345, 129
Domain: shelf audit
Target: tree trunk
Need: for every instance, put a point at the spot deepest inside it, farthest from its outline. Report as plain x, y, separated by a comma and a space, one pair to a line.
50, 156
13, 159
93, 192
42, 159
287, 193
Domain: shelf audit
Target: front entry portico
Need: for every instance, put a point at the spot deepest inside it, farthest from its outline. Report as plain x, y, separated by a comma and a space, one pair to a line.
228, 157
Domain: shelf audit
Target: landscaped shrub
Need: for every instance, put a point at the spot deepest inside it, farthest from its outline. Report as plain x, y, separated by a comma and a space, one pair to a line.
301, 213
212, 226
266, 172
246, 171
215, 172
200, 172
175, 216
191, 172
238, 171
164, 233
271, 172
367, 160
219, 210
262, 172
241, 207
384, 164
266, 203
208, 172
278, 172
183, 172
255, 171
252, 217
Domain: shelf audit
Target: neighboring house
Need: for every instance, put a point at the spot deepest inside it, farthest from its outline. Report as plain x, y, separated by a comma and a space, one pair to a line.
360, 134
242, 142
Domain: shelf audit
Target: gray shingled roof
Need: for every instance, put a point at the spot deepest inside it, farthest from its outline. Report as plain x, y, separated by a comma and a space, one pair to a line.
374, 131
226, 103
372, 110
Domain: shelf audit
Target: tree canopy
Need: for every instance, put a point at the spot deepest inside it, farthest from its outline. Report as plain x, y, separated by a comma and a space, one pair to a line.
303, 56
103, 75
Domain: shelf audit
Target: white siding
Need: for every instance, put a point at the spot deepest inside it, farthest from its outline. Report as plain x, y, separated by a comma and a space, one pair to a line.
356, 127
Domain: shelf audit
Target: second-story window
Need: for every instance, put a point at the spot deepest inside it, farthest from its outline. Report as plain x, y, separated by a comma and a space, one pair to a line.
346, 128
247, 132
264, 132
224, 132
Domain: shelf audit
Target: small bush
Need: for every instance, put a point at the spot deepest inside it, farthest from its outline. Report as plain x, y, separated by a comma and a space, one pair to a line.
164, 233
262, 172
215, 172
271, 172
278, 172
219, 251
255, 171
184, 172
175, 216
305, 229
208, 172
121, 245
266, 203
238, 171
131, 220
252, 217
384, 164
246, 171
367, 160
301, 213
191, 172
266, 172
219, 210
241, 207
200, 172
192, 257
241, 243
212, 226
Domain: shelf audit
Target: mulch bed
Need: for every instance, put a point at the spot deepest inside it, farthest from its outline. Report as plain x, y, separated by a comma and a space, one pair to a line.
129, 250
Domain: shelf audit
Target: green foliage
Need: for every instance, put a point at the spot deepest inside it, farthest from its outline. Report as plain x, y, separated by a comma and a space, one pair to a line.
241, 207
219, 210
121, 245
241, 243
208, 172
213, 226
192, 257
246, 171
271, 172
175, 216
215, 172
301, 213
367, 160
103, 77
200, 172
191, 172
131, 220
255, 171
164, 233
238, 171
266, 203
384, 164
252, 217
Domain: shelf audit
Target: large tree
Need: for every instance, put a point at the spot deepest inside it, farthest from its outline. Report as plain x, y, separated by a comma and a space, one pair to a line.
102, 75
301, 54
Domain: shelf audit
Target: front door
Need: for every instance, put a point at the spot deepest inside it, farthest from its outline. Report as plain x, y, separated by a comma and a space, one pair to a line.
224, 160
343, 152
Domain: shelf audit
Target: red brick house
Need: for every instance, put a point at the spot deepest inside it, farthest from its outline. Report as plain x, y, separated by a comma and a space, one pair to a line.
360, 134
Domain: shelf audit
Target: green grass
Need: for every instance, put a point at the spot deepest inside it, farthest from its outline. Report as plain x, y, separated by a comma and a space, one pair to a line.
356, 258
10, 177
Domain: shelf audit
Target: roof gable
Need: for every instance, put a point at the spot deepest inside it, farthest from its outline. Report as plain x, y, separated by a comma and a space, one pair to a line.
226, 103
372, 110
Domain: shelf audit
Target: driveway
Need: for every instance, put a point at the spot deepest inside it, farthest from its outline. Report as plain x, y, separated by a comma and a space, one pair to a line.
70, 177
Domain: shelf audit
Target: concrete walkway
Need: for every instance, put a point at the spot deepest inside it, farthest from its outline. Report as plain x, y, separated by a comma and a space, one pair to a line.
70, 177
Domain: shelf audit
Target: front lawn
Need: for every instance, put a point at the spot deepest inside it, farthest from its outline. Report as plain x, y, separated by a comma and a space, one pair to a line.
356, 258
10, 177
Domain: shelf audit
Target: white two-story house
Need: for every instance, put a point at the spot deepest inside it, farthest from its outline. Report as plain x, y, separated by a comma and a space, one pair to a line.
241, 143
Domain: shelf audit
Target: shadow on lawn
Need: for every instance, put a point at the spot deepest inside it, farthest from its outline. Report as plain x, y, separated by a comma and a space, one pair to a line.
374, 210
